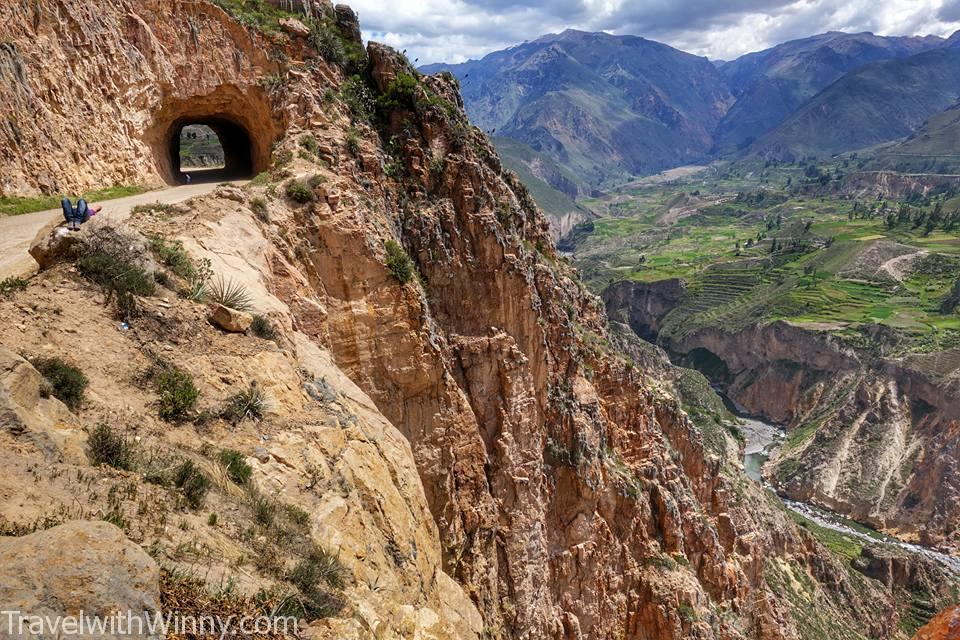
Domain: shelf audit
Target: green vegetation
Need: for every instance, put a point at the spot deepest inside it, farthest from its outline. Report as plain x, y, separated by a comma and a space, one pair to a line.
401, 93
16, 205
65, 382
122, 281
192, 482
299, 192
249, 404
12, 285
105, 446
398, 262
235, 464
229, 293
841, 544
263, 328
310, 575
177, 393
200, 147
763, 242
172, 255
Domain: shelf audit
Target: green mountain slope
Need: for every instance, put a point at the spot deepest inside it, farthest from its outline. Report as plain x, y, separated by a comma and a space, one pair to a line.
769, 85
878, 103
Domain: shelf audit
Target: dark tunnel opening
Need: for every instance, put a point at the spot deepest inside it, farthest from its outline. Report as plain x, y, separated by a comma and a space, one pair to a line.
235, 142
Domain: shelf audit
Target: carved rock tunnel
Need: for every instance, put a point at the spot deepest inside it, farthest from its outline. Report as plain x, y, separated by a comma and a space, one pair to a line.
242, 120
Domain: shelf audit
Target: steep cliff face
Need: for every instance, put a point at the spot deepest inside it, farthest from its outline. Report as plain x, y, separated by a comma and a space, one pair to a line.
569, 494
871, 437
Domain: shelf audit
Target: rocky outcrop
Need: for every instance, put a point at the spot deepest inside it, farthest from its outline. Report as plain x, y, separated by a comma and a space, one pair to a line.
54, 243
159, 65
79, 568
29, 414
945, 626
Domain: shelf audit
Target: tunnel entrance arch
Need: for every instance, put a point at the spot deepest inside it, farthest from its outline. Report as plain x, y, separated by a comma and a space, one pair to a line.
242, 120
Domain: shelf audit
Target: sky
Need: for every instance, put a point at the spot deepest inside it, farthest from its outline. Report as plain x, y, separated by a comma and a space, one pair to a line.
457, 30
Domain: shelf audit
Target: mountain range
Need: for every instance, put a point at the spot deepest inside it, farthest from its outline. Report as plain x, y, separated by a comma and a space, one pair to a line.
607, 107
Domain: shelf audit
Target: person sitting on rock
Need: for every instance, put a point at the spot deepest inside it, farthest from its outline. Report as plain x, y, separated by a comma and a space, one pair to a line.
76, 216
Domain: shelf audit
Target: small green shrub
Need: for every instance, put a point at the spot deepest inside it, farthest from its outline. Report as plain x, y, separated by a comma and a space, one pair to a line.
310, 574
212, 520
235, 464
297, 515
104, 446
177, 392
310, 144
67, 383
173, 255
230, 294
122, 281
12, 285
263, 328
264, 508
199, 283
259, 207
192, 482
398, 262
316, 180
299, 192
247, 404
353, 141
358, 97
400, 94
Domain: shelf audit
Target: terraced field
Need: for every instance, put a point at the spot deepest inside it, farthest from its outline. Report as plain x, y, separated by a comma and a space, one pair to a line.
750, 247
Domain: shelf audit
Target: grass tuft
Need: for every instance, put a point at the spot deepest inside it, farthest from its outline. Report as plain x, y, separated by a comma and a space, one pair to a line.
263, 328
12, 285
105, 446
235, 464
66, 382
192, 482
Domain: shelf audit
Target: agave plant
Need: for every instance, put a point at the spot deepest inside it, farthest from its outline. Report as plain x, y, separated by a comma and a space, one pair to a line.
230, 294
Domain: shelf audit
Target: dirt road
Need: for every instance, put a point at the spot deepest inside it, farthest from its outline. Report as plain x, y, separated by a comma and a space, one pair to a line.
17, 232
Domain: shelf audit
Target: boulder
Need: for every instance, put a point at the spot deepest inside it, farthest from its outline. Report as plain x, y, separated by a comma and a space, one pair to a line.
294, 27
30, 414
79, 566
54, 244
231, 192
229, 319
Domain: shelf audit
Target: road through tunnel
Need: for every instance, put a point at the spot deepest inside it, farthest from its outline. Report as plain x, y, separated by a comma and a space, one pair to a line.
242, 122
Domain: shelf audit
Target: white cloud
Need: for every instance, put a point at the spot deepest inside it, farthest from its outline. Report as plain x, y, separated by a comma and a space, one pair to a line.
455, 30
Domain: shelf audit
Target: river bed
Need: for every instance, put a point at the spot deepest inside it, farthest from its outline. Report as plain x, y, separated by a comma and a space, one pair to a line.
762, 439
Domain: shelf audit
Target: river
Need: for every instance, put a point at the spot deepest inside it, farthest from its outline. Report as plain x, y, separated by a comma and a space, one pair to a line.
762, 440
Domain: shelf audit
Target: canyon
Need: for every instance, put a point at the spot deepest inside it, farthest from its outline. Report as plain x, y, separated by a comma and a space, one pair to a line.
445, 409
870, 436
